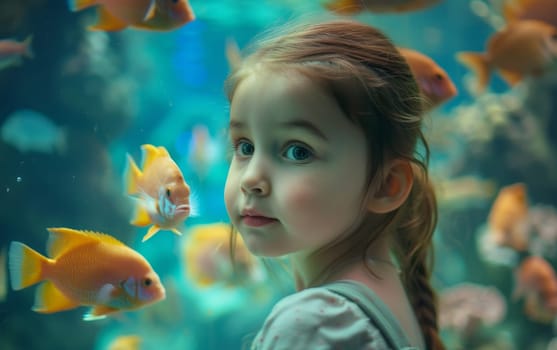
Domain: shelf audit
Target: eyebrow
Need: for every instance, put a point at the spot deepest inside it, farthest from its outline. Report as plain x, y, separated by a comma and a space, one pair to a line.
295, 123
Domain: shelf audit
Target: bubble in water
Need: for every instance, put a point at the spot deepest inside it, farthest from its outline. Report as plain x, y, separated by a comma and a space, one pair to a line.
18, 179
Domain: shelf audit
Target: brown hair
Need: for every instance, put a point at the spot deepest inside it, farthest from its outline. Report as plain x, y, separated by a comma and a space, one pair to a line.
371, 82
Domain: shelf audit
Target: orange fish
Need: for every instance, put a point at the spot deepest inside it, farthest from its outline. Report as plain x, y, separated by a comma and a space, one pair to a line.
160, 15
163, 196
85, 269
351, 7
537, 283
207, 257
11, 51
521, 49
508, 215
541, 10
435, 84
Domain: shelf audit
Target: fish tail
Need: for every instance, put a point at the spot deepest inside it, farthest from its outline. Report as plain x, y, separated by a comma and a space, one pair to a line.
345, 7
25, 265
28, 49
131, 176
78, 5
477, 62
61, 144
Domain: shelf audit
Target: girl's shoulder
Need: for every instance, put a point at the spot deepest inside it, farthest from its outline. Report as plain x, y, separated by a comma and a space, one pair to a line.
317, 318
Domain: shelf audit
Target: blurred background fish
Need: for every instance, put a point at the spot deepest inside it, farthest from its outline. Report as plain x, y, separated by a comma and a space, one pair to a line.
508, 217
541, 10
125, 342
114, 15
3, 275
523, 48
31, 131
435, 84
12, 52
162, 195
536, 282
85, 269
350, 7
206, 254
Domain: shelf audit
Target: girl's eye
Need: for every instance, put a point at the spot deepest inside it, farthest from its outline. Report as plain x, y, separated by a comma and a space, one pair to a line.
244, 148
298, 153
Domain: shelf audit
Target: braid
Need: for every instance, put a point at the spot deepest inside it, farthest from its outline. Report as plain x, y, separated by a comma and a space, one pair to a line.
415, 252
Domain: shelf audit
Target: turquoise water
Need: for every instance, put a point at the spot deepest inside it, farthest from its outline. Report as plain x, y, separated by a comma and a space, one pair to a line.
105, 94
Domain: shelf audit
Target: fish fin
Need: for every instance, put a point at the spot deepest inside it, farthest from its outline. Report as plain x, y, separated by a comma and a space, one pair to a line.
141, 216
151, 232
150, 153
151, 11
49, 299
477, 63
510, 77
107, 21
62, 140
78, 5
62, 240
98, 312
28, 49
25, 265
132, 174
345, 7
176, 231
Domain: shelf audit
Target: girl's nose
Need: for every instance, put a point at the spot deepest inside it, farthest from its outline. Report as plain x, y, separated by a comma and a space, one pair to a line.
254, 180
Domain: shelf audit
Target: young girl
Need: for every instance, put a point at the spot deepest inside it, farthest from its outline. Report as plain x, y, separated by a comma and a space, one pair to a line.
325, 124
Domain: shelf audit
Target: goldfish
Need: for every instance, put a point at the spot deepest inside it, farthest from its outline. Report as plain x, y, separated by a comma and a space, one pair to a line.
31, 131
435, 84
523, 48
541, 10
350, 7
163, 196
207, 256
535, 280
12, 51
508, 217
84, 268
159, 15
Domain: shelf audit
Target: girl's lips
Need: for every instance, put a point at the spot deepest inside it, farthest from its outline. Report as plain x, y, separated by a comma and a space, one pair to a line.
257, 221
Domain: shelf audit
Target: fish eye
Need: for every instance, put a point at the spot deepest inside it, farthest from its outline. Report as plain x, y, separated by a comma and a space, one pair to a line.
175, 1
438, 76
147, 282
168, 192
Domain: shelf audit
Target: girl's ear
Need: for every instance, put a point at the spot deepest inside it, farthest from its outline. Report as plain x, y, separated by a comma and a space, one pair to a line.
395, 188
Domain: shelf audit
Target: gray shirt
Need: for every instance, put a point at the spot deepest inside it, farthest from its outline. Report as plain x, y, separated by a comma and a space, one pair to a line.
319, 319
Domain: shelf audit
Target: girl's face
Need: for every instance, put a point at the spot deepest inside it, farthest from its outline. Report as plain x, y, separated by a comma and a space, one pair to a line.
298, 173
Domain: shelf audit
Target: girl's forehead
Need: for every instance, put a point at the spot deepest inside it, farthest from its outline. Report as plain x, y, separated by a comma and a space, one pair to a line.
286, 91
275, 101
